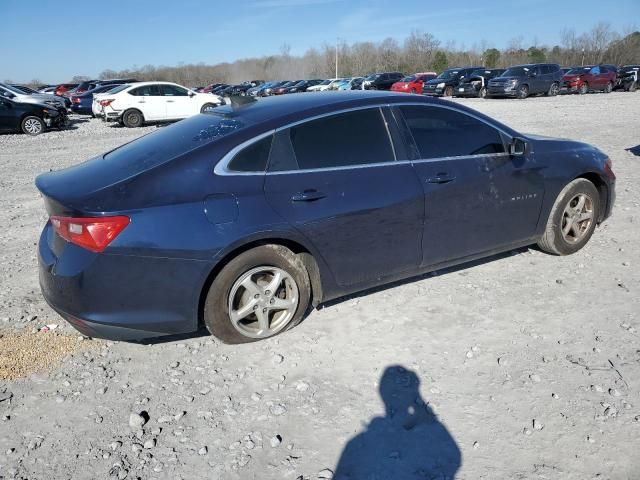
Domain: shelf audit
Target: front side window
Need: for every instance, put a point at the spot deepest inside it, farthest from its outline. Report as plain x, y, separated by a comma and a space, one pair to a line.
173, 91
441, 132
252, 158
346, 139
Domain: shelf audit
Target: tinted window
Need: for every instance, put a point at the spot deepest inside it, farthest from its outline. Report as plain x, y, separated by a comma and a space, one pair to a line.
173, 91
146, 91
544, 69
352, 138
440, 132
253, 158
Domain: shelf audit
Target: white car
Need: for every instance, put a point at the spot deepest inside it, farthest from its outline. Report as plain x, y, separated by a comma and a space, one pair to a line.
322, 86
137, 103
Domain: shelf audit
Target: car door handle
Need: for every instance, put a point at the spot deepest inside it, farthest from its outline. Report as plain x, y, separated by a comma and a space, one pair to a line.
169, 101
307, 196
441, 178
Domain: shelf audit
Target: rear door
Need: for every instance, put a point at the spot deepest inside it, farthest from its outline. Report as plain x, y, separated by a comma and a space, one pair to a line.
477, 197
148, 98
7, 115
335, 179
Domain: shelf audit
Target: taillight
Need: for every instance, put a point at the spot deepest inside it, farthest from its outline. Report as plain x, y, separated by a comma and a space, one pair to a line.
92, 233
106, 103
75, 99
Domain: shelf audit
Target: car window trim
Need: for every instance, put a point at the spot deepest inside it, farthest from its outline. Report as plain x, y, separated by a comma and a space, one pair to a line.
222, 169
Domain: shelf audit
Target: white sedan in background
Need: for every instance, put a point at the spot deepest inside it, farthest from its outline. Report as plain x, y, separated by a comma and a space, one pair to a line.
137, 103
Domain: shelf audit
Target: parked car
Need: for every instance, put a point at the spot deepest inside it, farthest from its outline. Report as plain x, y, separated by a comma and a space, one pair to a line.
354, 83
524, 80
213, 86
475, 84
254, 91
49, 90
134, 104
83, 103
628, 78
322, 85
589, 78
12, 93
445, 84
25, 89
381, 81
185, 227
63, 87
302, 86
413, 83
240, 89
282, 89
268, 91
29, 118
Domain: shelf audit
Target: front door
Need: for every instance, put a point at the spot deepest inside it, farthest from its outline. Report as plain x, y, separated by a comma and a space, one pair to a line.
477, 197
178, 102
335, 179
149, 100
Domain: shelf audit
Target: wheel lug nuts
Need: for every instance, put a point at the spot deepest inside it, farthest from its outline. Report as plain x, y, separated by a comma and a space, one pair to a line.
264, 310
268, 292
255, 307
272, 301
256, 296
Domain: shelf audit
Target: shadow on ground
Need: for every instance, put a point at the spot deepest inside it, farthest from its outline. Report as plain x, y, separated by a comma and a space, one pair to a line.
635, 150
409, 442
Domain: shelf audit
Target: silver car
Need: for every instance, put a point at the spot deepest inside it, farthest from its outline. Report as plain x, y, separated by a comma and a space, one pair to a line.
13, 93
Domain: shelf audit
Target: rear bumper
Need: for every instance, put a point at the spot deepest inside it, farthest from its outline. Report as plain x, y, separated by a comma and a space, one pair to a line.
120, 297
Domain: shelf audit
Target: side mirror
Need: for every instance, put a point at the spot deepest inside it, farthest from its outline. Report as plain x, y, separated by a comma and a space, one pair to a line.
518, 146
192, 94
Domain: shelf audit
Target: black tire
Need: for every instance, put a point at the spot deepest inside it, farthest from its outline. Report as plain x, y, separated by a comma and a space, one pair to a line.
608, 88
523, 92
584, 88
448, 91
482, 93
553, 240
216, 308
32, 125
207, 106
553, 89
132, 118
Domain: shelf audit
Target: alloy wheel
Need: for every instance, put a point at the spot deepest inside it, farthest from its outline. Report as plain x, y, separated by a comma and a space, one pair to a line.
33, 126
577, 218
263, 301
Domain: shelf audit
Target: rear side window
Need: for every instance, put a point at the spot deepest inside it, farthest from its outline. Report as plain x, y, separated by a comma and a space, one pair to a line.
252, 158
346, 139
440, 132
145, 91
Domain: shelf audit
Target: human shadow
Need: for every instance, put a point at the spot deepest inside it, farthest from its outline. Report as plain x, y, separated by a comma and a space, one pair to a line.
635, 150
408, 443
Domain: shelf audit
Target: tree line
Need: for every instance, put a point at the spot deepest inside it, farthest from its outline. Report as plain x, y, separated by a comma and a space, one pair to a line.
419, 52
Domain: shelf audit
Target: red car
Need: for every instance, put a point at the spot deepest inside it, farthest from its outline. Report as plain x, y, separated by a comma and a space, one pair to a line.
589, 78
63, 87
413, 83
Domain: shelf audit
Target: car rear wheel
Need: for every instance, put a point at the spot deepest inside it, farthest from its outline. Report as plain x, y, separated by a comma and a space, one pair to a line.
32, 125
259, 294
553, 90
523, 91
584, 88
207, 107
573, 218
132, 118
448, 91
608, 88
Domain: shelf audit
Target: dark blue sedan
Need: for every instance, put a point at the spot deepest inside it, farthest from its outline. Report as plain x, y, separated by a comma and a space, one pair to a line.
83, 102
244, 218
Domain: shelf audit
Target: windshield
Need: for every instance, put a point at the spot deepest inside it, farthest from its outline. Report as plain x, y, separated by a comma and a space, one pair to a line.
447, 74
409, 79
517, 72
170, 142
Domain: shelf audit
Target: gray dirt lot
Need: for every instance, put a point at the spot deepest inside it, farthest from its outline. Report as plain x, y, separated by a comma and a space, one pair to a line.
529, 364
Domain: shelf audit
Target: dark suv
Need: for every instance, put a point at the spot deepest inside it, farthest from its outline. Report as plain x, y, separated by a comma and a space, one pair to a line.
524, 80
628, 78
381, 81
446, 83
475, 84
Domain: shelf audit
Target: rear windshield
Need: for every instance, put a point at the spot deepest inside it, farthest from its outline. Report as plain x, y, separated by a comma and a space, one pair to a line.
167, 143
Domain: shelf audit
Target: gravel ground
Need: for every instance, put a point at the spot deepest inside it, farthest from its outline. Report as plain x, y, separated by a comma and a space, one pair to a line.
522, 366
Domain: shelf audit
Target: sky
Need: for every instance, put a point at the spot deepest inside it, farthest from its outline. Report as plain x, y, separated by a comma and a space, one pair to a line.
53, 41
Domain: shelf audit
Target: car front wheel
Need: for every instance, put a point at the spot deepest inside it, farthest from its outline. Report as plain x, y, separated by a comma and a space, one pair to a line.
584, 88
258, 294
573, 218
32, 125
523, 92
207, 107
